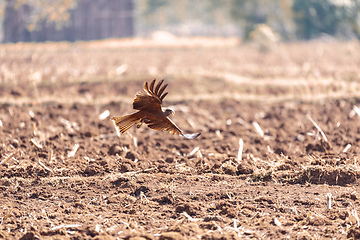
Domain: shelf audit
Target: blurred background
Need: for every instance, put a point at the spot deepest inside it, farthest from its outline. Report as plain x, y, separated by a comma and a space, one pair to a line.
75, 20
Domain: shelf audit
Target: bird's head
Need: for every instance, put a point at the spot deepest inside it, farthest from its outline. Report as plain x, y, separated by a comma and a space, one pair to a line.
169, 111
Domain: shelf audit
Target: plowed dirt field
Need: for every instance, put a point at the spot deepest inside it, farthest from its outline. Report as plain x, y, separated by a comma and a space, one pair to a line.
65, 174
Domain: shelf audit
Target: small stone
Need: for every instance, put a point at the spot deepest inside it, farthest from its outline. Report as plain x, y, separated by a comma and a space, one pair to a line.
115, 149
300, 138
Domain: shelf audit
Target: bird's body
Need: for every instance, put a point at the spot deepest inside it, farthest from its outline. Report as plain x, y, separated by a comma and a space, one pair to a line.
150, 112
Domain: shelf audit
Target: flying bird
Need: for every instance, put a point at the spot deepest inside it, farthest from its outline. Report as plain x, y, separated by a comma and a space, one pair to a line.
148, 103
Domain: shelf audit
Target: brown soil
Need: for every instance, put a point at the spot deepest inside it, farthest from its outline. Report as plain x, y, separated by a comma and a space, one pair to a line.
65, 174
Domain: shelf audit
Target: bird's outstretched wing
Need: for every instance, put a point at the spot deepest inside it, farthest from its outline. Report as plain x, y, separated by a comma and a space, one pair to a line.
152, 98
169, 126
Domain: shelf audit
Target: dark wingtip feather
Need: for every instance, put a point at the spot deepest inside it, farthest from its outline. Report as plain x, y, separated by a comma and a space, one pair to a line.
161, 90
158, 86
152, 85
146, 87
163, 96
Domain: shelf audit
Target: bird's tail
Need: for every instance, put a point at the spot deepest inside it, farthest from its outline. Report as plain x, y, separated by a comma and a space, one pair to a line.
122, 124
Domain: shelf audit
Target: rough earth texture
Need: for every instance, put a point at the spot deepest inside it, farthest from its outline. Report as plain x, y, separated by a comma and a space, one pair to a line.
65, 174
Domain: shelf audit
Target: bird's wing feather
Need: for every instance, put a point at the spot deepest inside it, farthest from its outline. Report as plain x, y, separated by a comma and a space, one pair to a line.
143, 101
150, 99
167, 125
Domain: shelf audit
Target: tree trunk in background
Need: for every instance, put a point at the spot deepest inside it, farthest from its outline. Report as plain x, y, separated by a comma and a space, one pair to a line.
90, 20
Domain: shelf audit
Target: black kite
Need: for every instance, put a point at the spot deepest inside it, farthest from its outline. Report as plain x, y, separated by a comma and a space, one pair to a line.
150, 112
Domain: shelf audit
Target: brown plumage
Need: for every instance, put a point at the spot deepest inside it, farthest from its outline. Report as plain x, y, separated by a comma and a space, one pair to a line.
150, 112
